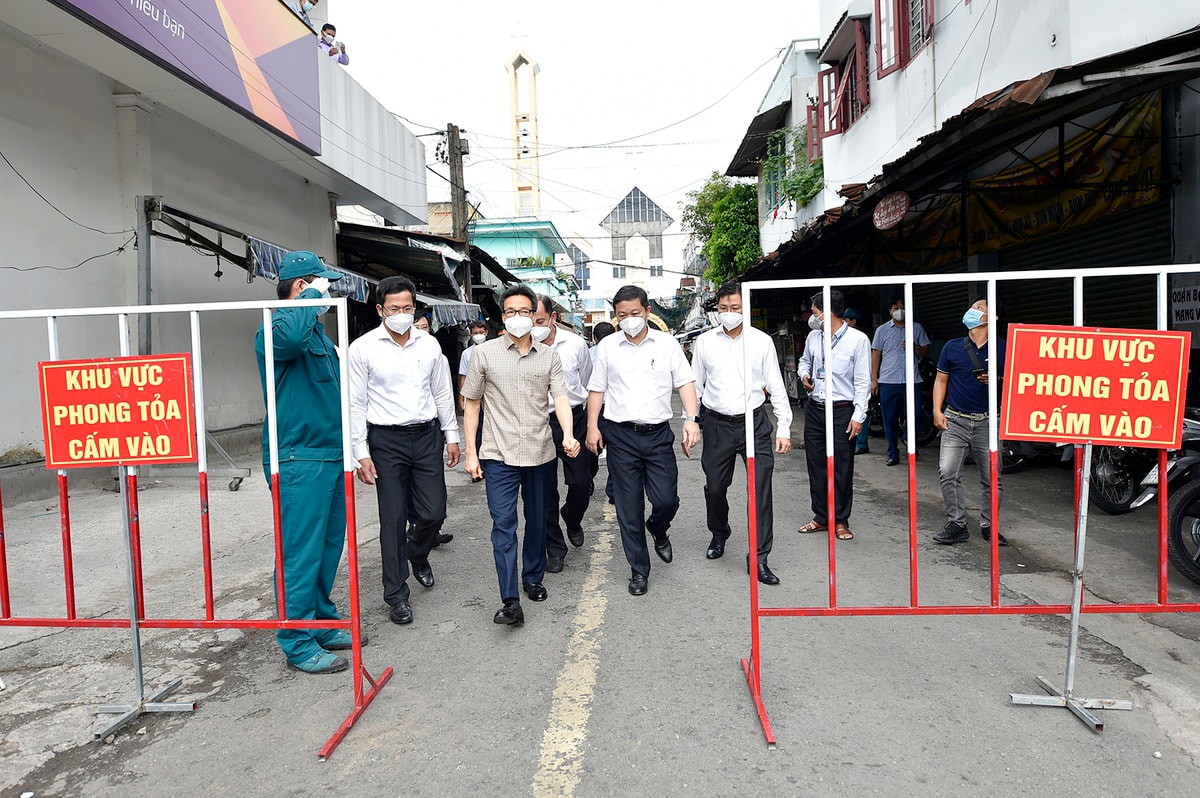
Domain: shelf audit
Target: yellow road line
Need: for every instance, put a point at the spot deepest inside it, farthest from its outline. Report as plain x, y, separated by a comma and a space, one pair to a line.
561, 758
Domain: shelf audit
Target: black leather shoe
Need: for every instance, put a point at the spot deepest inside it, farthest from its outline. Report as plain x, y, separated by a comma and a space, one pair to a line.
442, 537
554, 564
716, 548
637, 585
987, 535
663, 548
575, 536
423, 574
509, 615
893, 461
766, 576
401, 613
953, 533
535, 590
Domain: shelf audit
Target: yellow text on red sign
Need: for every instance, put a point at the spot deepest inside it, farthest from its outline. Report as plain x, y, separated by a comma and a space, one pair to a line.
118, 411
1089, 384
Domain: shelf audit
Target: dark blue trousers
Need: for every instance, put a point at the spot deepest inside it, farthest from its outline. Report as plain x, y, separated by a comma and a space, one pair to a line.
891, 402
642, 465
503, 484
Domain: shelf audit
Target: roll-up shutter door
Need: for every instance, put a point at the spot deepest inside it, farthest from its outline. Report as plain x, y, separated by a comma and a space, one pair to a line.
1135, 238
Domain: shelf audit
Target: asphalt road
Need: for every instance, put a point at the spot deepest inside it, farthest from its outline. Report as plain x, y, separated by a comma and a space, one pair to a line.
602, 693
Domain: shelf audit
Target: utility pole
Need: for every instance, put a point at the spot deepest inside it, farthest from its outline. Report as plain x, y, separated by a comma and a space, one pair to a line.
455, 149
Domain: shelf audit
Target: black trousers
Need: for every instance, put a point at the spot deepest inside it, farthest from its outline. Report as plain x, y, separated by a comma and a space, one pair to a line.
723, 442
843, 461
578, 473
642, 465
410, 471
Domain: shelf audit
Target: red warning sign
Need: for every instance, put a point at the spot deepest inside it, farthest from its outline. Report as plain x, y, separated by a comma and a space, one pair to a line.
1090, 384
118, 411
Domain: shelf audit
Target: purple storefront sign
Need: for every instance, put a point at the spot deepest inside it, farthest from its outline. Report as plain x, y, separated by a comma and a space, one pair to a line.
257, 57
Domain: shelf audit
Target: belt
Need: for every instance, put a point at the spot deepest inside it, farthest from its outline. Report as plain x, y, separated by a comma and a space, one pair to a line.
420, 426
950, 411
835, 404
642, 428
730, 419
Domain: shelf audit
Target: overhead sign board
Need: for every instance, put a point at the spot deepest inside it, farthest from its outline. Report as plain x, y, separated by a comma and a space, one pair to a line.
257, 57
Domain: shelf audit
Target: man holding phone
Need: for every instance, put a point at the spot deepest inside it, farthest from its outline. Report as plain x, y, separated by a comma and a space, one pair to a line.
960, 410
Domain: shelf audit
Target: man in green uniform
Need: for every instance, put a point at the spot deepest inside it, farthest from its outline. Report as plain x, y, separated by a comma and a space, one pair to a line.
308, 401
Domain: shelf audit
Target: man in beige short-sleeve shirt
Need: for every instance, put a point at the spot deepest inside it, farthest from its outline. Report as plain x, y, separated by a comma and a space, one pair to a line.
515, 378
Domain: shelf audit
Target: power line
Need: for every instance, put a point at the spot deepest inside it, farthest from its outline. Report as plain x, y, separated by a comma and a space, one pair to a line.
59, 210
116, 251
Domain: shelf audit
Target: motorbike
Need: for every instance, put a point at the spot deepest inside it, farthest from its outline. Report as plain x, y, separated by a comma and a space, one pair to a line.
1117, 474
1183, 504
1015, 455
926, 432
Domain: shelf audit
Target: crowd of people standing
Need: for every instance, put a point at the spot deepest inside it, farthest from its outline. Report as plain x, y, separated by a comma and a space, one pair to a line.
536, 397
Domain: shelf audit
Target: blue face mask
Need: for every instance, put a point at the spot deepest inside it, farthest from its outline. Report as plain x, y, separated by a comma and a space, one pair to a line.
973, 318
308, 7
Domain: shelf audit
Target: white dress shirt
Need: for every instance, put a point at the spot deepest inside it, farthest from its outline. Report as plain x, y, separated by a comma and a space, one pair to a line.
850, 371
576, 364
717, 360
398, 385
637, 379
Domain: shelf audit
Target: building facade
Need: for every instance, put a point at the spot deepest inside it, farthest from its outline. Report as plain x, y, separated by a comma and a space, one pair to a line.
233, 121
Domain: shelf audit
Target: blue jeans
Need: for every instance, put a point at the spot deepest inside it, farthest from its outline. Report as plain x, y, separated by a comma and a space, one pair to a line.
503, 484
960, 436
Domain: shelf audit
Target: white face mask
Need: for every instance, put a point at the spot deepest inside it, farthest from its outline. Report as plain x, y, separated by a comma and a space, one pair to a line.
399, 323
479, 338
632, 325
730, 321
540, 334
898, 314
814, 322
328, 37
518, 326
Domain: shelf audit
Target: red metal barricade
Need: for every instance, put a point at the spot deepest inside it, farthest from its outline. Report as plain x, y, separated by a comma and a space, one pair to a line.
752, 665
364, 694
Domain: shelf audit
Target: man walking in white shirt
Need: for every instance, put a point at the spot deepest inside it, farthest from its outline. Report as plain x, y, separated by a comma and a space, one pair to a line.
578, 472
720, 363
633, 377
401, 406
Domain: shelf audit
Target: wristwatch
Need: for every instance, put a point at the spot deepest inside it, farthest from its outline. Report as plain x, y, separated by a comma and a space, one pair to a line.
691, 418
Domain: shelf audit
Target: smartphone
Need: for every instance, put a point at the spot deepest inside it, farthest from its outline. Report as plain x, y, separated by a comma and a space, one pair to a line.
978, 372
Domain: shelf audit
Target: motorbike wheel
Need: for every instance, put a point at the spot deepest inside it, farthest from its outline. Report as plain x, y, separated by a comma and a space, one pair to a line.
874, 418
1011, 460
1183, 530
1114, 485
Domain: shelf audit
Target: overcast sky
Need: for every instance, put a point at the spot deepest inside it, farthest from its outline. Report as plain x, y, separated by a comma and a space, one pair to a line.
609, 71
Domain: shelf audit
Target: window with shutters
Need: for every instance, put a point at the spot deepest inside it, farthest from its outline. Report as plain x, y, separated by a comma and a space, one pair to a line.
814, 133
902, 29
844, 90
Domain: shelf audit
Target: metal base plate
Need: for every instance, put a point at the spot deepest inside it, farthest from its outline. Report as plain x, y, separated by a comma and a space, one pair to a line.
1079, 706
131, 712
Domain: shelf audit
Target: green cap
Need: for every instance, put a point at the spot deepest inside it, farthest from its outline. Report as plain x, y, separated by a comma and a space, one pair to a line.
303, 263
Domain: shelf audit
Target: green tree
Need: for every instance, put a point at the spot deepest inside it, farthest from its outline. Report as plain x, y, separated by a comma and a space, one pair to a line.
724, 215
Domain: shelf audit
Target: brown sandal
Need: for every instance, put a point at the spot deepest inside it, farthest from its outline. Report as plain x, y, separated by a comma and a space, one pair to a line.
811, 526
843, 532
